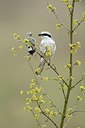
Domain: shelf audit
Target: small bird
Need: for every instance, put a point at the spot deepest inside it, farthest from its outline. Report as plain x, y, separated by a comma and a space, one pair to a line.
31, 47
47, 49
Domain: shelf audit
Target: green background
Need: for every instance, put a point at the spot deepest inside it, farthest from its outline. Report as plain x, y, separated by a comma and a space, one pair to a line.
21, 16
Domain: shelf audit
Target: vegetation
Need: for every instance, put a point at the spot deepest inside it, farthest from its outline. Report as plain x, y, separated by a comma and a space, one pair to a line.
38, 102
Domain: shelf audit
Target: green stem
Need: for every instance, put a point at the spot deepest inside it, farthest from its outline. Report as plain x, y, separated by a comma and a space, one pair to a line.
70, 70
53, 68
47, 115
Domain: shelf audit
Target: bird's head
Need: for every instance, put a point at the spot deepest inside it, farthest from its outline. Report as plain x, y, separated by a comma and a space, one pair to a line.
45, 35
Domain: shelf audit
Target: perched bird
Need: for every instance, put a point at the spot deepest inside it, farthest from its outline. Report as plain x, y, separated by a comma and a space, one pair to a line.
47, 49
31, 45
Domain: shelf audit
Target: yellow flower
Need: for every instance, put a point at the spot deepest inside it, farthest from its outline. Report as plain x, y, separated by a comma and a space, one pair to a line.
37, 109
47, 110
16, 36
28, 92
55, 113
33, 91
58, 26
41, 99
36, 116
24, 108
27, 99
20, 46
33, 80
27, 103
13, 49
21, 92
27, 57
50, 8
38, 89
76, 22
78, 62
82, 87
45, 78
75, 47
73, 51
26, 40
60, 78
34, 97
50, 102
68, 66
79, 98
30, 100
29, 108
44, 126
51, 113
71, 78
48, 52
69, 109
38, 70
68, 116
70, 45
78, 44
69, 6
65, 1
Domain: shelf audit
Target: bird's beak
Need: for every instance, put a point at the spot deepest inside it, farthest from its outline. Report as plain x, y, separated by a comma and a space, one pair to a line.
39, 34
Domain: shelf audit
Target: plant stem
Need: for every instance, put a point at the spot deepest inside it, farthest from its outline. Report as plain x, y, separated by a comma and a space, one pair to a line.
70, 70
47, 115
53, 68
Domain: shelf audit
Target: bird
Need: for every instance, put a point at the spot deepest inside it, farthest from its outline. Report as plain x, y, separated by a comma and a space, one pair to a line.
31, 45
47, 50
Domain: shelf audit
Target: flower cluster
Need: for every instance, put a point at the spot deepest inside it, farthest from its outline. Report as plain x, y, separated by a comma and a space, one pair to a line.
19, 42
14, 50
34, 97
68, 66
74, 47
79, 98
82, 87
46, 78
69, 6
48, 51
17, 37
51, 8
76, 22
28, 43
35, 101
58, 26
65, 1
50, 113
77, 63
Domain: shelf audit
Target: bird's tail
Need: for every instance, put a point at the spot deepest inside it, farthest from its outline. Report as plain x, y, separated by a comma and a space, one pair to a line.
40, 68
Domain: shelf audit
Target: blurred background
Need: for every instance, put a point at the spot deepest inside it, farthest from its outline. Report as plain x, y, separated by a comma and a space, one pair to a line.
22, 16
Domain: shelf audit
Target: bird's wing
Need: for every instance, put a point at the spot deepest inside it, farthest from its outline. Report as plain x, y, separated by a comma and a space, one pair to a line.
43, 48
